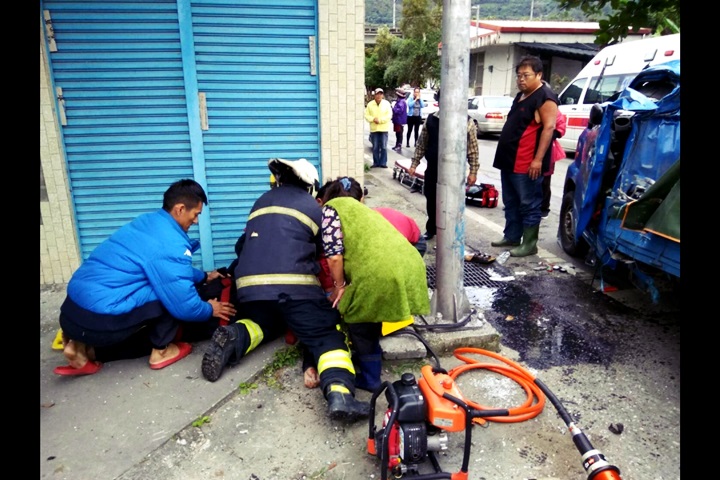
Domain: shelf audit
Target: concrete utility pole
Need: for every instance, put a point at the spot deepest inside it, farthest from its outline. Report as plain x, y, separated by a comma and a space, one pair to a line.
393, 14
449, 297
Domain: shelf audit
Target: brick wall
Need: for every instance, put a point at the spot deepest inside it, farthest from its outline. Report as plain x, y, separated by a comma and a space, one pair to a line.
59, 253
342, 87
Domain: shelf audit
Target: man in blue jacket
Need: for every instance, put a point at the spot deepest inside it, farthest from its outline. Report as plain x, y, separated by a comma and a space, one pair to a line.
129, 297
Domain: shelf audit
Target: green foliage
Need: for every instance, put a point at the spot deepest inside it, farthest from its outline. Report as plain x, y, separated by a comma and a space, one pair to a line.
201, 421
410, 366
373, 72
245, 387
618, 17
412, 59
380, 12
282, 358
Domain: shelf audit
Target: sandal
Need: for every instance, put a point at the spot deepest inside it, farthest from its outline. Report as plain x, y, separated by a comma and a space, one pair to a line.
482, 258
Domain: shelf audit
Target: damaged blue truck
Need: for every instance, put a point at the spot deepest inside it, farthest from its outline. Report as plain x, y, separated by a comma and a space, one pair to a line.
621, 196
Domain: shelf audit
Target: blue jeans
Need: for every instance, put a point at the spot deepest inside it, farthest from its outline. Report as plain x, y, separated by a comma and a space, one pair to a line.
522, 198
379, 145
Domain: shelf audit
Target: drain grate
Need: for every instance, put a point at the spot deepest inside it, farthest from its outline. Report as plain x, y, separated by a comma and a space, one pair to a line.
474, 275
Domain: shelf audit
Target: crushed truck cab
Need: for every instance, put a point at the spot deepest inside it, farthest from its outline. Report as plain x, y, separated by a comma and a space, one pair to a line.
621, 197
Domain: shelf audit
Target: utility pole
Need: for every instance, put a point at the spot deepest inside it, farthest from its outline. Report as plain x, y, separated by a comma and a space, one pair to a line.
449, 298
532, 7
394, 14
477, 19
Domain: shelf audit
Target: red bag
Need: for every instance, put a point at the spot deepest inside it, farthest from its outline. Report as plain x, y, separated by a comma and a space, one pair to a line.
483, 195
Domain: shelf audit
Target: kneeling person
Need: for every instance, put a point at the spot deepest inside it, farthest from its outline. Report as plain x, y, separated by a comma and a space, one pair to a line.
278, 288
129, 297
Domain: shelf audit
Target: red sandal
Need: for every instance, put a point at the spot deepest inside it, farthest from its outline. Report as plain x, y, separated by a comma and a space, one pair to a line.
89, 368
185, 349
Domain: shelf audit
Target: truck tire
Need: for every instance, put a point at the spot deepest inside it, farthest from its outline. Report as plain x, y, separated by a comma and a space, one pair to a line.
566, 228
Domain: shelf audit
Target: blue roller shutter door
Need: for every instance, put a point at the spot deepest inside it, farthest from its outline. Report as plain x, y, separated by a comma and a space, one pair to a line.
131, 76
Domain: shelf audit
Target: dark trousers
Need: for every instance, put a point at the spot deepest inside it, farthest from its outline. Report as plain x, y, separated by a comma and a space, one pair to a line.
114, 337
413, 123
314, 323
399, 138
522, 198
545, 206
133, 334
430, 191
366, 354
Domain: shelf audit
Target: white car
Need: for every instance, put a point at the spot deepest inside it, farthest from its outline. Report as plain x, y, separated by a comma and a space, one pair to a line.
489, 112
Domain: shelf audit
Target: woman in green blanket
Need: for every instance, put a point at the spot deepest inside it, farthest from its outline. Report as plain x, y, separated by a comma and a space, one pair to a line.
378, 276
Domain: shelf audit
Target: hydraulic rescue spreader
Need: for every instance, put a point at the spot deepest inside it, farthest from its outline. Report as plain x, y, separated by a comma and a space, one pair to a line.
420, 412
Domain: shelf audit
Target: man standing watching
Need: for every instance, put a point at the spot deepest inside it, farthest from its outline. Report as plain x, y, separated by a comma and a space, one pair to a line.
523, 156
428, 147
378, 113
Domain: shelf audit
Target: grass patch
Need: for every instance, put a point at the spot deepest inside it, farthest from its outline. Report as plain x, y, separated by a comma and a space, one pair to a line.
201, 421
406, 366
284, 357
245, 387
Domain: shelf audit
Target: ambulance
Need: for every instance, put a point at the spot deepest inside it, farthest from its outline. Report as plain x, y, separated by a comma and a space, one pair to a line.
608, 73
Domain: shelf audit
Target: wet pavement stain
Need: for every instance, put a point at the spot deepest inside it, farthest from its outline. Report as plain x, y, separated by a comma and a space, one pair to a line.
548, 321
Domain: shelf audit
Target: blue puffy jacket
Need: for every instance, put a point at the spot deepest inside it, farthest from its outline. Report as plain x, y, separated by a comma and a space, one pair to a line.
146, 260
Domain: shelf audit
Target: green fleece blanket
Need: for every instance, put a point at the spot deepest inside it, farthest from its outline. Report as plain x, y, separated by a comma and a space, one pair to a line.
386, 276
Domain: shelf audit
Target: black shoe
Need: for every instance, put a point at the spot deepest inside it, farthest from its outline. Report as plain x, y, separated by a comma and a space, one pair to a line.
343, 406
429, 236
382, 166
415, 189
374, 166
219, 352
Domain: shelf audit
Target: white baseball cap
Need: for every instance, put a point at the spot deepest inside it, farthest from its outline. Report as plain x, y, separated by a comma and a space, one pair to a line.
303, 169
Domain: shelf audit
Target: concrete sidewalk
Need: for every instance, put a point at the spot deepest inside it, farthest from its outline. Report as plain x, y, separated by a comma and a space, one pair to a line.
102, 425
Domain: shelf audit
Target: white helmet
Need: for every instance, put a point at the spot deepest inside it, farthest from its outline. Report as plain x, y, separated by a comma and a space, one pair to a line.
302, 169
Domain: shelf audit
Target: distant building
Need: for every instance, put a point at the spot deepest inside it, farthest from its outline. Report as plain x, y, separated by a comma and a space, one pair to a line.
497, 45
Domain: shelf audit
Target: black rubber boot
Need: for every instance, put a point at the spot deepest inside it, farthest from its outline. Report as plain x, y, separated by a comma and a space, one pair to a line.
220, 352
343, 406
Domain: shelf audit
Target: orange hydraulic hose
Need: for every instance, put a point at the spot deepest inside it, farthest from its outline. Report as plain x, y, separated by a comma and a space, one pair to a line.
532, 406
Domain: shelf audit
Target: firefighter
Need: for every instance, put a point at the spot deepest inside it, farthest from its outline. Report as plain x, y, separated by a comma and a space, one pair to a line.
278, 288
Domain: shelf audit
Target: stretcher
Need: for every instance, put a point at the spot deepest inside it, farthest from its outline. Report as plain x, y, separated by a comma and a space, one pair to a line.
413, 182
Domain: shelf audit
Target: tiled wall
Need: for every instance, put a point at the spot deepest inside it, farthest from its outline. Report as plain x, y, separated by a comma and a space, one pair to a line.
59, 253
342, 87
341, 67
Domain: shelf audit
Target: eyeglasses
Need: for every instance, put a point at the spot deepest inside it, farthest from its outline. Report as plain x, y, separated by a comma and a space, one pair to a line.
525, 75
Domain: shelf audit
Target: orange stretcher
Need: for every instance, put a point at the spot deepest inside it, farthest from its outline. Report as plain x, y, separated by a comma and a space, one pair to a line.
400, 173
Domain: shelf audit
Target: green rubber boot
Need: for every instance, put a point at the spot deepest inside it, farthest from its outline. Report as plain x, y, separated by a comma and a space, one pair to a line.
504, 243
529, 242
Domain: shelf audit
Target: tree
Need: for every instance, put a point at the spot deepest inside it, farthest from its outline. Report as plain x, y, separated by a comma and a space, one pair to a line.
413, 58
662, 16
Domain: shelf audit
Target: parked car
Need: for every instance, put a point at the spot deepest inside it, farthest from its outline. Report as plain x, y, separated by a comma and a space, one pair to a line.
428, 96
621, 198
489, 112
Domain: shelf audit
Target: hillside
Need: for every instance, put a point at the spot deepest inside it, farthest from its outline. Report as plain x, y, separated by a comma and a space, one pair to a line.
380, 12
